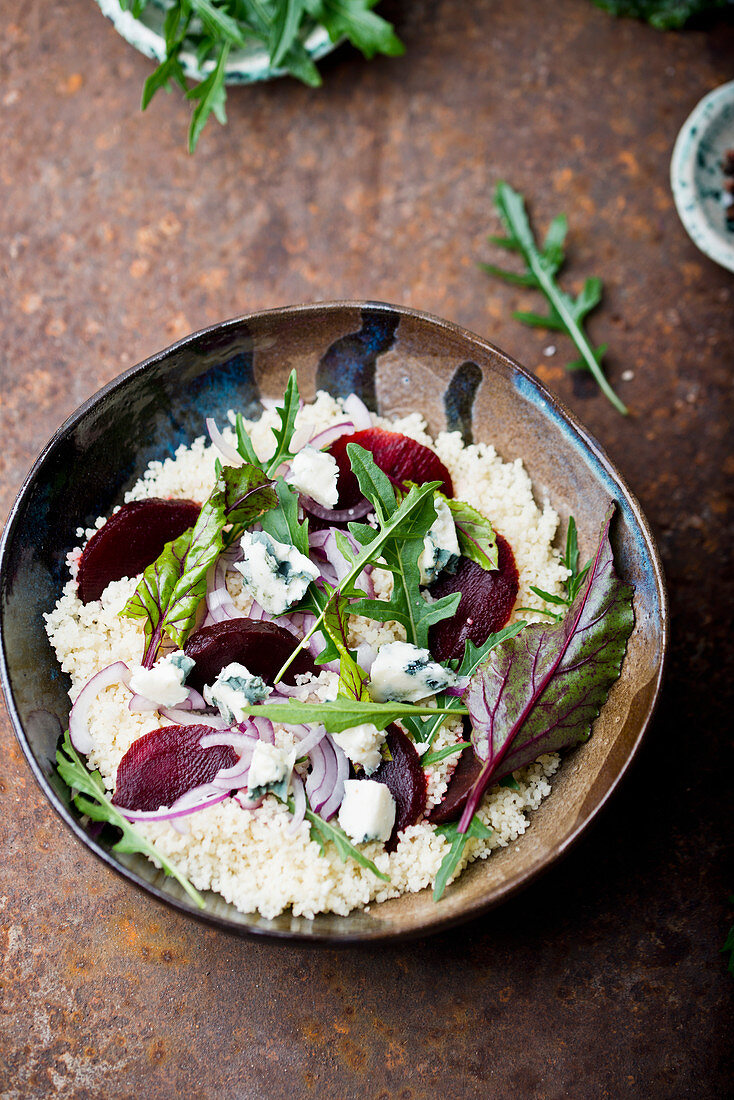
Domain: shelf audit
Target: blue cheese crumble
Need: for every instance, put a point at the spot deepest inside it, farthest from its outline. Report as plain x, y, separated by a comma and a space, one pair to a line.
270, 771
233, 690
274, 574
163, 684
405, 673
367, 811
315, 474
362, 745
440, 545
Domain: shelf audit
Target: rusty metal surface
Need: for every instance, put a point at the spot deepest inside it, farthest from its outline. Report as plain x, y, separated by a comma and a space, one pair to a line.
604, 979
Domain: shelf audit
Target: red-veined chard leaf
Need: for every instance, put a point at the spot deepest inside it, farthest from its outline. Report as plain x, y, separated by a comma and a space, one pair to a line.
171, 588
541, 691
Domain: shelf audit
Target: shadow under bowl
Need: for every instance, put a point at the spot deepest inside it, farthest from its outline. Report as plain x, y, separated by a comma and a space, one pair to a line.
399, 361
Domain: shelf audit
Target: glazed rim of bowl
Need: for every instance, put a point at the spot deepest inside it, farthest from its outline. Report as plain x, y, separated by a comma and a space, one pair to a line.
684, 162
552, 406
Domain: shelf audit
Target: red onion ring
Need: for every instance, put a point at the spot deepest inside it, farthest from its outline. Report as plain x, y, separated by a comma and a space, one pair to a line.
234, 458
177, 809
325, 784
247, 804
328, 435
116, 673
335, 516
183, 718
310, 740
299, 803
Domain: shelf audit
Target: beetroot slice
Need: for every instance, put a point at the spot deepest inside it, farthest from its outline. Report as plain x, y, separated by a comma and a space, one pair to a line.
487, 600
164, 764
131, 540
465, 775
400, 457
405, 779
260, 646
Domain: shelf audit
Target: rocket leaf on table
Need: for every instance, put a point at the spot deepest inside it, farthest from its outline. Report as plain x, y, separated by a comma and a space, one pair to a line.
407, 604
542, 265
171, 588
540, 692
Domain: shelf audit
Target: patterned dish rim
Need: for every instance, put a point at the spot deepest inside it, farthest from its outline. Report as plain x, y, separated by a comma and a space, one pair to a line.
694, 202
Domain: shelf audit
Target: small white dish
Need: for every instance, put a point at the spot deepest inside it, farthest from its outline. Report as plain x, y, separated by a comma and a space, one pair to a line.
697, 177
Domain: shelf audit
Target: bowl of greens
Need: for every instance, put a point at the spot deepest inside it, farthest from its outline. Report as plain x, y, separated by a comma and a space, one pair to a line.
215, 43
600, 637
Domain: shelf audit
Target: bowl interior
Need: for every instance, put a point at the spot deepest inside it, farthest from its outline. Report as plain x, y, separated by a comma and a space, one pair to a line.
399, 361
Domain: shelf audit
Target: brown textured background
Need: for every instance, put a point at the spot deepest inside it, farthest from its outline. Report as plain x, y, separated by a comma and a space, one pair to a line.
605, 978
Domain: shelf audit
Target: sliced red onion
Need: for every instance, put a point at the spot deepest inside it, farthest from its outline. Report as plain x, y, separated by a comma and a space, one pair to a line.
265, 729
195, 701
200, 798
299, 803
328, 435
235, 738
336, 516
219, 603
139, 704
324, 544
336, 797
183, 718
309, 740
361, 416
247, 803
116, 673
325, 784
226, 449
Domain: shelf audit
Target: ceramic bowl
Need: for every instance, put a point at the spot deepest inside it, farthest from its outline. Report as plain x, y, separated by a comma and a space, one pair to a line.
696, 175
398, 361
244, 66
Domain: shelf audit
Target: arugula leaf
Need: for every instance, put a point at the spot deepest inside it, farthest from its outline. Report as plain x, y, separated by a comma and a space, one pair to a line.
565, 314
441, 754
407, 603
342, 713
572, 584
172, 587
391, 528
542, 692
324, 831
354, 19
457, 840
244, 443
283, 32
211, 95
425, 729
475, 533
283, 522
352, 679
211, 28
287, 413
89, 786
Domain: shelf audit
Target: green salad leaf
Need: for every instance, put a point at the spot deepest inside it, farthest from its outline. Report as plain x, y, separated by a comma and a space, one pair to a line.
325, 832
477, 540
457, 841
210, 29
89, 795
542, 265
172, 587
344, 712
407, 603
